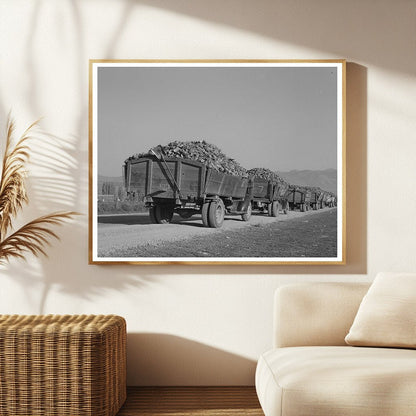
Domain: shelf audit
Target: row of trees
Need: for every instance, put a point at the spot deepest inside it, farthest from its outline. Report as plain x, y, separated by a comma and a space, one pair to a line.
113, 199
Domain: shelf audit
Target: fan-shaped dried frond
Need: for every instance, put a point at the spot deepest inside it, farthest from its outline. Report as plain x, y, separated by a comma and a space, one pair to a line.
32, 237
12, 184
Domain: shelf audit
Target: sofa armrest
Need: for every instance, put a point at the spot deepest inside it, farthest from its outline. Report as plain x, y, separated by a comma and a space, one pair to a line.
309, 314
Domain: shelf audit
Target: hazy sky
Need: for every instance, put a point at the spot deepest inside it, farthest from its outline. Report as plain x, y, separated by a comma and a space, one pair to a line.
277, 118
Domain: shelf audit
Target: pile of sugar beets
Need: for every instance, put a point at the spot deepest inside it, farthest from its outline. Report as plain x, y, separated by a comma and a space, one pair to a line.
201, 151
213, 156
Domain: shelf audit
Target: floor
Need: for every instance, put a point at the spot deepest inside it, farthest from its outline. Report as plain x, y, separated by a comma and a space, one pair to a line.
187, 401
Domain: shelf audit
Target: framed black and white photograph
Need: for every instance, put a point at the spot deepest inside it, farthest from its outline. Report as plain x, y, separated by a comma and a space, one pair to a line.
217, 162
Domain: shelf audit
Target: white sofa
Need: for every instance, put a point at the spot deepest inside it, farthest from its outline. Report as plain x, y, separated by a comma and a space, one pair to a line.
311, 371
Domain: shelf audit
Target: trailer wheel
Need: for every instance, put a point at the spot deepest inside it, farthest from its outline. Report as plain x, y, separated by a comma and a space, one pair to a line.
286, 207
204, 213
152, 215
216, 213
161, 214
246, 216
274, 209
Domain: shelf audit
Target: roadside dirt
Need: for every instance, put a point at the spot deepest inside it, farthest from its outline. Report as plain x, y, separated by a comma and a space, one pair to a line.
296, 234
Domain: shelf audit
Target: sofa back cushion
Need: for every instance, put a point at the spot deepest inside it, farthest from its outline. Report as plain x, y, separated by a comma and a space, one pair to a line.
387, 314
309, 314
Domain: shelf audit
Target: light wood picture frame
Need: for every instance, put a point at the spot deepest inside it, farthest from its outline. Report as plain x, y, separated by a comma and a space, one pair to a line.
217, 162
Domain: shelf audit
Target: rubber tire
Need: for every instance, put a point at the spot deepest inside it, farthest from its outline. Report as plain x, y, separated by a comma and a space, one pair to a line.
204, 213
216, 213
286, 207
246, 217
152, 215
162, 214
274, 209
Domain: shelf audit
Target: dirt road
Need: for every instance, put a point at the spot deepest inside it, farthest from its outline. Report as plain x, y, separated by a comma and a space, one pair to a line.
296, 234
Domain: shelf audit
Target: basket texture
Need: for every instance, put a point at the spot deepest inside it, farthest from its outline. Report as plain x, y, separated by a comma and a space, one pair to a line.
52, 365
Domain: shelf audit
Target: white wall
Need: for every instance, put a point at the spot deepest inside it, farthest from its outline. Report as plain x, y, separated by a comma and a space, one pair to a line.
190, 324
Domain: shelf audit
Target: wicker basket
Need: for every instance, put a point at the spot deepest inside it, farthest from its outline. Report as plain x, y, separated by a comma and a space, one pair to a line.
54, 365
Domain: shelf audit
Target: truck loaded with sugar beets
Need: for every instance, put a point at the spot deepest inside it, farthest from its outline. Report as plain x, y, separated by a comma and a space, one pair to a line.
316, 199
187, 187
196, 177
299, 197
269, 196
269, 191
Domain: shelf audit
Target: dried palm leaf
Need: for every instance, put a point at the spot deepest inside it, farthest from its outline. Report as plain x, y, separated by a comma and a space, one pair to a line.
12, 184
33, 237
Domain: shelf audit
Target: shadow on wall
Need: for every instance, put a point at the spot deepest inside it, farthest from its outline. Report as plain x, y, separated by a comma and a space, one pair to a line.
55, 187
60, 182
341, 28
70, 151
161, 359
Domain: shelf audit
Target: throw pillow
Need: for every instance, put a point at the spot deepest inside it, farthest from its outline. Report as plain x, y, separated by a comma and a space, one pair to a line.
387, 314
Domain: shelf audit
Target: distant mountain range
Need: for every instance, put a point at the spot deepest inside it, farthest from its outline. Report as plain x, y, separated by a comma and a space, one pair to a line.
324, 179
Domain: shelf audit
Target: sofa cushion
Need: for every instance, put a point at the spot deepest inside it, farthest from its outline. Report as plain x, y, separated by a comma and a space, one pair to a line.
342, 381
315, 314
387, 314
